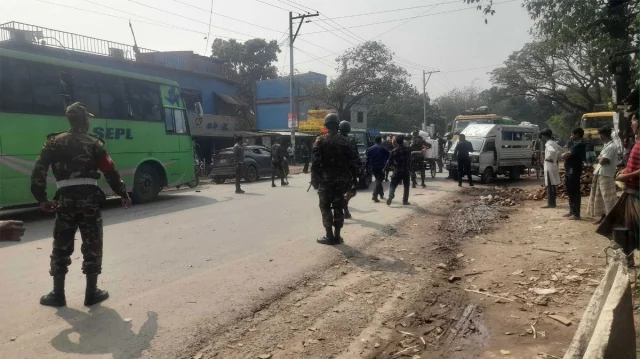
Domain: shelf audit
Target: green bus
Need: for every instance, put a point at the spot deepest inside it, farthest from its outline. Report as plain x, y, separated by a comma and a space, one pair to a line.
142, 120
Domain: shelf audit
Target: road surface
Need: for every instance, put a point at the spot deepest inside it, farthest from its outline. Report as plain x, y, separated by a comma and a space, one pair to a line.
191, 259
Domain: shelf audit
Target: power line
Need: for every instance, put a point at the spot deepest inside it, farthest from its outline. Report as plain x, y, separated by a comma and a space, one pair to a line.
188, 18
471, 69
295, 7
410, 18
226, 16
276, 6
206, 47
313, 56
392, 10
155, 23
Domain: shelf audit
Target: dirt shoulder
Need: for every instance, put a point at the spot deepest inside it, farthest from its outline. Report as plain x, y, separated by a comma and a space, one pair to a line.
421, 289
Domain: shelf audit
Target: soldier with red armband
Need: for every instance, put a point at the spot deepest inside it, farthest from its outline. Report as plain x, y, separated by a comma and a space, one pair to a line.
75, 158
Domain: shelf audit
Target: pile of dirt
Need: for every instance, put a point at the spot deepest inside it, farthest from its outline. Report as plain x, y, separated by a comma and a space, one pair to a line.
503, 196
475, 217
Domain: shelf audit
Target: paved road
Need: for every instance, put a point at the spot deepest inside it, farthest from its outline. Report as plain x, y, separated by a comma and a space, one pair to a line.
190, 259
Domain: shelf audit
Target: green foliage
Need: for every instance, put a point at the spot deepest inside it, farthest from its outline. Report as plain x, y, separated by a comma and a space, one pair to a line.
561, 127
521, 108
366, 71
454, 102
246, 63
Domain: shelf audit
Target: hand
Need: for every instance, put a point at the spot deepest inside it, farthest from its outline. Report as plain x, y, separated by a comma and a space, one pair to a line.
48, 206
11, 230
126, 202
622, 177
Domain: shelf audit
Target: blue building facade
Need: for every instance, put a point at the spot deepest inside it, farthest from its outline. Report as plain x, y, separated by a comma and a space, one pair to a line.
272, 100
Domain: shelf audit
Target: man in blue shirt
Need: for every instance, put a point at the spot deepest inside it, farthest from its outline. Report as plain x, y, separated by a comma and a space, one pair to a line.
573, 167
377, 156
462, 154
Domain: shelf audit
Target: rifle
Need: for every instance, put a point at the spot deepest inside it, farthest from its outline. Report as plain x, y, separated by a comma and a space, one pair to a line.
308, 188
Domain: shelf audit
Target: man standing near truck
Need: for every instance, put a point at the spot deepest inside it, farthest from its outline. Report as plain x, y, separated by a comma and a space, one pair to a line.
462, 155
417, 158
573, 166
377, 156
551, 173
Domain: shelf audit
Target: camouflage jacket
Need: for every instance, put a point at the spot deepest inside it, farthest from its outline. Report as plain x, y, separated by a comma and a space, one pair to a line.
334, 158
417, 143
74, 155
276, 153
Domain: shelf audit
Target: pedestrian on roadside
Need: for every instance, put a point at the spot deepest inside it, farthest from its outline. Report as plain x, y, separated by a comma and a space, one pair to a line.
290, 153
305, 158
603, 188
624, 213
462, 155
11, 231
441, 143
75, 158
552, 153
344, 128
573, 164
277, 164
447, 147
418, 144
377, 156
400, 159
333, 172
238, 155
388, 143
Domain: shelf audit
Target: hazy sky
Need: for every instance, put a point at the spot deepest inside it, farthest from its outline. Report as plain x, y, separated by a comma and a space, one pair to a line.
447, 35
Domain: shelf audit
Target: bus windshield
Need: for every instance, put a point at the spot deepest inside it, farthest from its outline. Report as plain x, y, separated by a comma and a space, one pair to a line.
361, 140
597, 122
462, 124
141, 119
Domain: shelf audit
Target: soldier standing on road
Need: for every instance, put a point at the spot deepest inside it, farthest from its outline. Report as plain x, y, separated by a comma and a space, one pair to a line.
277, 164
441, 143
238, 154
377, 156
388, 144
400, 159
75, 158
345, 127
417, 158
333, 172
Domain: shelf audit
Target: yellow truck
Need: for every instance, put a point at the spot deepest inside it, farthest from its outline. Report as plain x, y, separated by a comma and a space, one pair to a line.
593, 121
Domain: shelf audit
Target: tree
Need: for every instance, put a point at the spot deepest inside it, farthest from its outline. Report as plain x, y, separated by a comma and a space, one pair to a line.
573, 76
366, 71
403, 112
458, 100
521, 108
561, 127
247, 63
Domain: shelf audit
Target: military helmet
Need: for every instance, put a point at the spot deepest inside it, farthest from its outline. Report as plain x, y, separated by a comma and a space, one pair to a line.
331, 118
344, 127
78, 110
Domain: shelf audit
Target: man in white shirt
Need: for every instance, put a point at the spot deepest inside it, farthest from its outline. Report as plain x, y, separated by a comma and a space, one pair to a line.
603, 187
290, 153
552, 153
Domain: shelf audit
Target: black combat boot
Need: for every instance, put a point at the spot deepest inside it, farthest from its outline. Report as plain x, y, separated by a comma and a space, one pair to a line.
347, 214
56, 298
93, 295
329, 238
283, 183
339, 239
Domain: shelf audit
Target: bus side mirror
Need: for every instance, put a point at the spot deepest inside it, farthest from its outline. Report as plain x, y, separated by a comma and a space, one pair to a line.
198, 110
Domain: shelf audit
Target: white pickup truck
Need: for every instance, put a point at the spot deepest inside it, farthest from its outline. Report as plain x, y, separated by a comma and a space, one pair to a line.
497, 150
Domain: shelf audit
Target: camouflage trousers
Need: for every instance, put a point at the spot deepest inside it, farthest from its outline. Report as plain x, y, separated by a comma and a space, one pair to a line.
77, 212
417, 165
277, 169
331, 195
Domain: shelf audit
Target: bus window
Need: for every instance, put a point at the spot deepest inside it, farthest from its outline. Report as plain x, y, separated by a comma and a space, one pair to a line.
180, 121
507, 136
47, 90
143, 101
112, 103
14, 82
86, 91
169, 121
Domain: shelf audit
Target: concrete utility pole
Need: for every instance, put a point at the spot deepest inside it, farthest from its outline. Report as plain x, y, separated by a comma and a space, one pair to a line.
292, 38
425, 80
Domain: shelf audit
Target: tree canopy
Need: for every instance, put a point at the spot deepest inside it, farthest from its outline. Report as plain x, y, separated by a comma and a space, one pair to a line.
365, 72
247, 62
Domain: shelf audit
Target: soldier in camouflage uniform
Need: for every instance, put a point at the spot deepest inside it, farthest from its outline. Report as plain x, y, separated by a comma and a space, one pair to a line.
75, 158
333, 173
277, 164
417, 158
344, 128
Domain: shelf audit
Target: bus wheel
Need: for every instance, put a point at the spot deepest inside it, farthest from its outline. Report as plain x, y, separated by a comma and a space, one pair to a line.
486, 176
146, 184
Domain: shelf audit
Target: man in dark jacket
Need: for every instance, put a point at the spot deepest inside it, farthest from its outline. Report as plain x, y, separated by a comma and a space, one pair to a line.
277, 164
400, 159
573, 162
377, 156
463, 156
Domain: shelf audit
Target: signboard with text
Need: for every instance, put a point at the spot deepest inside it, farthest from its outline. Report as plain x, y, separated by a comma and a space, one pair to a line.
314, 122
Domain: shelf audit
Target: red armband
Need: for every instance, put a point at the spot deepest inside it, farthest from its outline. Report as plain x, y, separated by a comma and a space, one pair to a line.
106, 163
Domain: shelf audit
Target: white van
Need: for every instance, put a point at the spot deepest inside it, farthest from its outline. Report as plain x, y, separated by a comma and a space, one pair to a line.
497, 150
